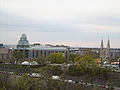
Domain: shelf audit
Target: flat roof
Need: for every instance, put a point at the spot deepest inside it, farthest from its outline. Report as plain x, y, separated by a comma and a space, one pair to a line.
39, 47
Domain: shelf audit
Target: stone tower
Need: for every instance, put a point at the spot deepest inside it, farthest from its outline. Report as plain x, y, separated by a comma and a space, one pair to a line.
102, 51
23, 42
105, 52
108, 51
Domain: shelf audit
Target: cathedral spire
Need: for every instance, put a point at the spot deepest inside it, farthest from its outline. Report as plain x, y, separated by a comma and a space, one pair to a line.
102, 51
102, 45
108, 44
108, 51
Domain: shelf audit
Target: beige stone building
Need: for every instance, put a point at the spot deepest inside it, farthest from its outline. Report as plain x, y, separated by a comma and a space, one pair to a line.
5, 53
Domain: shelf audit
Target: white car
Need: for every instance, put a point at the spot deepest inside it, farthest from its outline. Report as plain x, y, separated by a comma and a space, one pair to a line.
56, 77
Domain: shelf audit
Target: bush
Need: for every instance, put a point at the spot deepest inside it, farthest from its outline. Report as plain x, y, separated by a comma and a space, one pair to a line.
56, 58
74, 71
52, 70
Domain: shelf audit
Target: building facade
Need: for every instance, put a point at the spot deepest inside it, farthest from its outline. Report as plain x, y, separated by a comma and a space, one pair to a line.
1, 45
38, 50
5, 53
106, 53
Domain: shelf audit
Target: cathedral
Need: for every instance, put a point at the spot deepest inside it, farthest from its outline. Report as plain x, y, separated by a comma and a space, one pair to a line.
105, 54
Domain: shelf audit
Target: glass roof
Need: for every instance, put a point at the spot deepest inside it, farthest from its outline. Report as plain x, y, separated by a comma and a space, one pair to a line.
23, 41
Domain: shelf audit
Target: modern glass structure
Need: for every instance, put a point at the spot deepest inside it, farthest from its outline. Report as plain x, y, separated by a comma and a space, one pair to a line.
37, 50
23, 42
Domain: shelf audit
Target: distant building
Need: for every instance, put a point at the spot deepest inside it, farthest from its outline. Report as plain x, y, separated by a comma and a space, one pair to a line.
23, 42
1, 45
5, 53
37, 50
84, 50
105, 54
42, 51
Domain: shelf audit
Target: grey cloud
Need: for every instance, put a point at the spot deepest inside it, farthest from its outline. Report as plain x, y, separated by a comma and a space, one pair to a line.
98, 20
57, 30
8, 20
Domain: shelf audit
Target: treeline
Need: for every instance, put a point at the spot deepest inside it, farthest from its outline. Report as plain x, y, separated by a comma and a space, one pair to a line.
86, 65
25, 82
80, 65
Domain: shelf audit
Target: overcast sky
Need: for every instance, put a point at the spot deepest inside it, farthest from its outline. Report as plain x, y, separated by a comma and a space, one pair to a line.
70, 22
